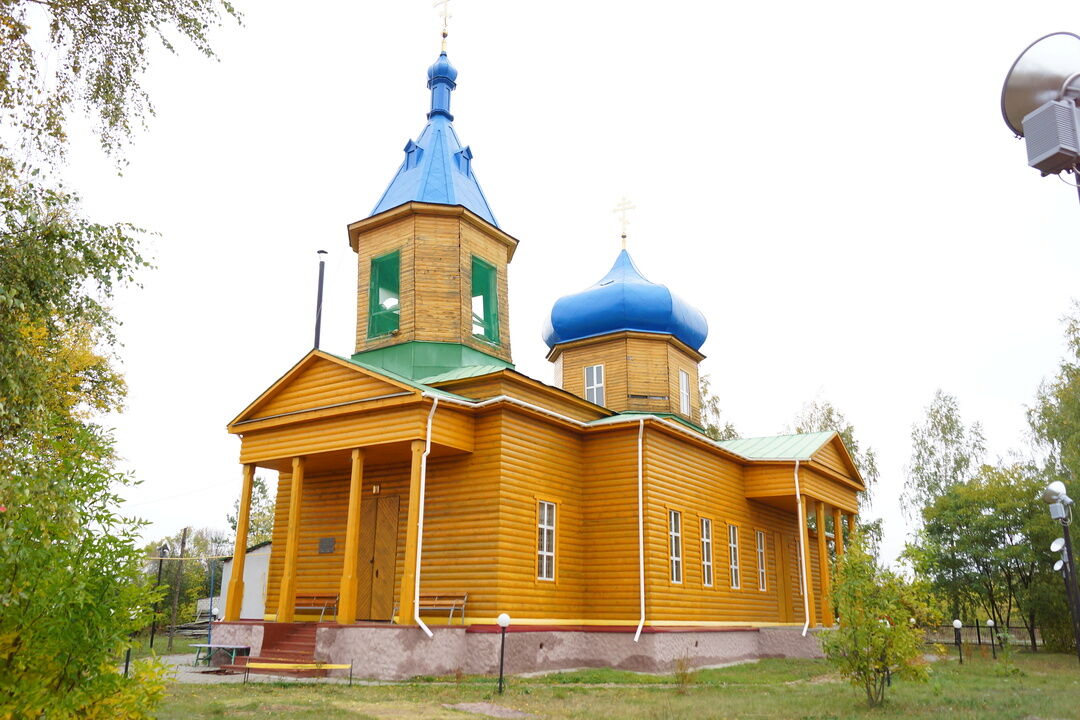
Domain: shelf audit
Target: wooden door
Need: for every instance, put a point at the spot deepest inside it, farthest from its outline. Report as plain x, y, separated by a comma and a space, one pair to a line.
783, 579
378, 558
385, 565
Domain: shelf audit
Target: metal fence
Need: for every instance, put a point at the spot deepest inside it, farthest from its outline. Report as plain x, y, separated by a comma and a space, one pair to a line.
980, 635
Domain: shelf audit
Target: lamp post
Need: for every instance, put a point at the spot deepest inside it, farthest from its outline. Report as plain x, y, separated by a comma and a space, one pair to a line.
504, 622
956, 624
993, 645
163, 551
1061, 510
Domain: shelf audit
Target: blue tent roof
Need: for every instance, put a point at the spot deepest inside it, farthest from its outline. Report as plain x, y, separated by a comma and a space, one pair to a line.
437, 168
624, 300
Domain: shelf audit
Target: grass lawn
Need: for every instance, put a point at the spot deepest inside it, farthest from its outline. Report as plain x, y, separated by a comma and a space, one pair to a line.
1030, 686
181, 645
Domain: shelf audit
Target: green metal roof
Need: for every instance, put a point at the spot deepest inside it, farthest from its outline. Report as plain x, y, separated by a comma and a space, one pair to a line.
462, 373
778, 447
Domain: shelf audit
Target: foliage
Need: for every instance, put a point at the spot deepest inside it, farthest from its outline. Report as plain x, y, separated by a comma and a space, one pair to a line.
943, 452
69, 595
63, 55
57, 270
260, 515
822, 416
70, 575
1055, 417
875, 636
984, 543
203, 547
715, 426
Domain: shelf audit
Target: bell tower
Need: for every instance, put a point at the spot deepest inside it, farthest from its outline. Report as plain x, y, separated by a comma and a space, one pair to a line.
432, 276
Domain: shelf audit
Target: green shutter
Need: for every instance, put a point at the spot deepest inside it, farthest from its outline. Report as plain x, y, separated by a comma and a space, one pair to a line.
384, 297
485, 301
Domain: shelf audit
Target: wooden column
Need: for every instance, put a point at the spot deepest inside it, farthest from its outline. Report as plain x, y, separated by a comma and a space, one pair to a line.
851, 527
408, 573
804, 540
287, 595
347, 593
838, 531
823, 565
235, 597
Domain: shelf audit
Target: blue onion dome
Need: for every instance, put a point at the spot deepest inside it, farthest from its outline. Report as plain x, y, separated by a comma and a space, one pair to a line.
624, 300
442, 70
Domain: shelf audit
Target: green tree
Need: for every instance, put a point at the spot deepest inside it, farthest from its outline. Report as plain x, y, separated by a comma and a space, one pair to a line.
261, 515
1055, 417
984, 543
881, 617
715, 426
944, 452
60, 57
70, 593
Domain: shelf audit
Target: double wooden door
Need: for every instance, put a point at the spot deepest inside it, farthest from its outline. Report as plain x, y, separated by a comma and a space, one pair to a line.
378, 557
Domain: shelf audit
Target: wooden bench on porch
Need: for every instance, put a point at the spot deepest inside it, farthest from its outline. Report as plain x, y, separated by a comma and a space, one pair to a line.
316, 601
442, 602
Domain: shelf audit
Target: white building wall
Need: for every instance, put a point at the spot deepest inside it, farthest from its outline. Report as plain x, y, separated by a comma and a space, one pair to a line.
256, 572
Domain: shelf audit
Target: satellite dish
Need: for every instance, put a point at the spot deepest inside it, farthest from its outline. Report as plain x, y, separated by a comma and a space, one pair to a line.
1058, 565
1038, 75
1057, 545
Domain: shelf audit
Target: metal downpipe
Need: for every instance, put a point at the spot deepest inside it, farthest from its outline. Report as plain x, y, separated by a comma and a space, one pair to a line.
420, 521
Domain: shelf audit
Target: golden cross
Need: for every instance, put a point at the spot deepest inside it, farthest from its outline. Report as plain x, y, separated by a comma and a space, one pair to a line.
445, 18
622, 209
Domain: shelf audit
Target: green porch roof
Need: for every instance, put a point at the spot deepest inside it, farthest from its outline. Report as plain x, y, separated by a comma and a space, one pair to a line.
779, 447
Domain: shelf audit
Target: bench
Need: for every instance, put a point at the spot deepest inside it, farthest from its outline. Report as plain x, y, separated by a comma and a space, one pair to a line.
442, 602
210, 648
316, 601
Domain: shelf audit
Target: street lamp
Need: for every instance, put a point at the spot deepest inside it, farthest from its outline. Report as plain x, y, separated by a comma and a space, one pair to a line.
163, 551
504, 622
993, 645
956, 624
1061, 510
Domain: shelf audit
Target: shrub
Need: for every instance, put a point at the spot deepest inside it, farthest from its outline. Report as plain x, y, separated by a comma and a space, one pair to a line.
875, 637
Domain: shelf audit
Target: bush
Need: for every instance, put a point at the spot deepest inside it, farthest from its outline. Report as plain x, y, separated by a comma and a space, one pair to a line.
876, 637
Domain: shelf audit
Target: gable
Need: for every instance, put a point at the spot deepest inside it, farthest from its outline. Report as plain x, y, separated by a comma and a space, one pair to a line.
834, 456
320, 381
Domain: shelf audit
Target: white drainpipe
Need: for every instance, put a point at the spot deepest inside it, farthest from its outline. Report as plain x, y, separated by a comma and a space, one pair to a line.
802, 552
640, 529
420, 522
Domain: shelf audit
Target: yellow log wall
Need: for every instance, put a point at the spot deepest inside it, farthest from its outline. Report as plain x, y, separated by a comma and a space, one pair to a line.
699, 484
461, 524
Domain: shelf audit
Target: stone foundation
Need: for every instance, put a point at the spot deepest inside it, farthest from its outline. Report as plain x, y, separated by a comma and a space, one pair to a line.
396, 652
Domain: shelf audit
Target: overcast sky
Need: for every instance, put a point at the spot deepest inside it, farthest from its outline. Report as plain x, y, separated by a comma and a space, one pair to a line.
830, 183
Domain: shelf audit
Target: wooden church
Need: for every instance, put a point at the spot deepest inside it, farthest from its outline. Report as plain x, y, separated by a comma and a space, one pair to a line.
426, 486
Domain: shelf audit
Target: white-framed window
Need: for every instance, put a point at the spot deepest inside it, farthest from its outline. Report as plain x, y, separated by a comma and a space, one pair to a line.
675, 544
733, 554
761, 566
594, 384
684, 392
545, 540
706, 552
